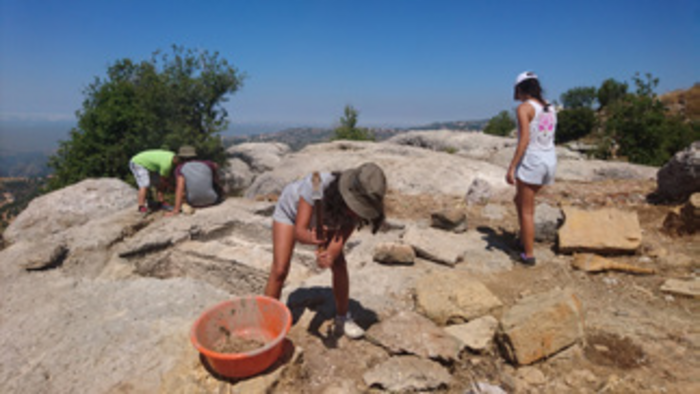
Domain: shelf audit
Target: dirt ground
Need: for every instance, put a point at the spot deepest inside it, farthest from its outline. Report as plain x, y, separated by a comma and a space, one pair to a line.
637, 339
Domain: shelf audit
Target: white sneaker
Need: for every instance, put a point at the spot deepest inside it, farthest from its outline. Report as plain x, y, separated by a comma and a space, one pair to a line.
346, 325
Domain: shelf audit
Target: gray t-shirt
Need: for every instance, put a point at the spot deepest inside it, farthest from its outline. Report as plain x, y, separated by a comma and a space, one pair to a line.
199, 181
287, 204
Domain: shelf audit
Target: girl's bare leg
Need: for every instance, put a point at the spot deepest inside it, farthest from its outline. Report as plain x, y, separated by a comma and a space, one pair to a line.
341, 285
526, 201
142, 196
282, 248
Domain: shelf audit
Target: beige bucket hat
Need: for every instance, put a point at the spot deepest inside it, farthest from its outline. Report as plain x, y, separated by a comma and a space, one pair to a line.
363, 189
187, 151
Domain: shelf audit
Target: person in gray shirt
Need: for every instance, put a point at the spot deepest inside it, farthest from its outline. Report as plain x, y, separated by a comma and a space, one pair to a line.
350, 199
196, 181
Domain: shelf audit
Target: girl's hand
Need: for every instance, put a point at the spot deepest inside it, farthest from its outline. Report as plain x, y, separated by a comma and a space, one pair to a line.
510, 176
324, 259
313, 239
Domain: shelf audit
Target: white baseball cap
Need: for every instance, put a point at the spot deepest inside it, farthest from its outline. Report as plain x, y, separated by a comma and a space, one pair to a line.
525, 75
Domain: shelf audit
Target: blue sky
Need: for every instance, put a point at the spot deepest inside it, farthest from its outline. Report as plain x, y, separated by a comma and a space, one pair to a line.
398, 62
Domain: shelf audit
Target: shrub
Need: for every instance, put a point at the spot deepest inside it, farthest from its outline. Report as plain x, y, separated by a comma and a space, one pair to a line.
573, 124
501, 124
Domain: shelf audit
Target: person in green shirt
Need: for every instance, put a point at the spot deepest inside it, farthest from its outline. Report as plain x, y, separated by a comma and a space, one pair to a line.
152, 168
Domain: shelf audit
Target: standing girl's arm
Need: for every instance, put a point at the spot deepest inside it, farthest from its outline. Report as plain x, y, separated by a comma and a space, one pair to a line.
326, 257
302, 233
525, 114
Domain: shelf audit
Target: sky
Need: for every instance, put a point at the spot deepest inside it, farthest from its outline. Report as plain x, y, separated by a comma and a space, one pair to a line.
399, 63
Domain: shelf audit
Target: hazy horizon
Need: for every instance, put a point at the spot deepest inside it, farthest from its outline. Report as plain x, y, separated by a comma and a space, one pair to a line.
33, 135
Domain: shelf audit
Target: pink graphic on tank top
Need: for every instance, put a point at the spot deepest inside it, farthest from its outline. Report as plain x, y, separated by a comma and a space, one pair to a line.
546, 122
546, 128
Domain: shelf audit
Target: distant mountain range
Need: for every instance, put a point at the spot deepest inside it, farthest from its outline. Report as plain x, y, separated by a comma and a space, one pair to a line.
17, 161
24, 164
299, 137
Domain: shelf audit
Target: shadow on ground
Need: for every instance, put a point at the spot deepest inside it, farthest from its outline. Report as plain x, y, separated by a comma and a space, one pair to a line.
320, 301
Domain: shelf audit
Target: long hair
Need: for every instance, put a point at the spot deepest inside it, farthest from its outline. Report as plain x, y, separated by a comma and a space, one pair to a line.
335, 210
531, 87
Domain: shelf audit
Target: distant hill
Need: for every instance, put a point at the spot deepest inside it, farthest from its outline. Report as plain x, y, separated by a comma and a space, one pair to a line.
457, 125
685, 102
299, 137
15, 195
24, 164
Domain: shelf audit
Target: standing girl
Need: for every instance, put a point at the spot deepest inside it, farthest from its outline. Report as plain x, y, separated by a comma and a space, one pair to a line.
351, 199
535, 159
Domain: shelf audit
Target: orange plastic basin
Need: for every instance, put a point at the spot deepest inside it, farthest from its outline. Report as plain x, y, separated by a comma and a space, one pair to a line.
234, 317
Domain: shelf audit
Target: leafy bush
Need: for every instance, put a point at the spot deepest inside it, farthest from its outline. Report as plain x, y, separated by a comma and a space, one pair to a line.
573, 124
639, 124
611, 91
348, 129
502, 124
580, 97
165, 102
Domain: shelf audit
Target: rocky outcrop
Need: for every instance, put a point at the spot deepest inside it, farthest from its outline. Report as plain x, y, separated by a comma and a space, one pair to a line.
126, 333
259, 156
572, 166
409, 170
473, 145
69, 207
236, 177
599, 170
99, 287
680, 177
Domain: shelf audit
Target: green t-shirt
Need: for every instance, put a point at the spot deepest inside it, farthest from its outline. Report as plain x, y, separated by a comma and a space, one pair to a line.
160, 161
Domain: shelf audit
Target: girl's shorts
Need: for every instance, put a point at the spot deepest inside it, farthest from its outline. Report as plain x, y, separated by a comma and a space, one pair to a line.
537, 168
286, 208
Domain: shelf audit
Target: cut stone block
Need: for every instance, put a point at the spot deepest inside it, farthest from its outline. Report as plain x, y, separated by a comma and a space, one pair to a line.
541, 325
602, 231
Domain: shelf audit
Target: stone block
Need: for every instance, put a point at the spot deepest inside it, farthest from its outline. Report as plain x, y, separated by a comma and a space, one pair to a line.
541, 325
602, 231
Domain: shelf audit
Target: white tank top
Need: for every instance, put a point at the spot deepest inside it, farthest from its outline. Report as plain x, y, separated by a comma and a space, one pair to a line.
542, 128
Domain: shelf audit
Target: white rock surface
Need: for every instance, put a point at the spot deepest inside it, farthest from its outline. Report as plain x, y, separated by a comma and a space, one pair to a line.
477, 335
260, 156
408, 169
454, 297
408, 374
125, 333
72, 206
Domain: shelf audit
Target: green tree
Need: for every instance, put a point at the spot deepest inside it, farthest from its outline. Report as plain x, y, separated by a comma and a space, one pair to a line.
611, 91
579, 97
502, 124
645, 133
348, 129
170, 100
573, 124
